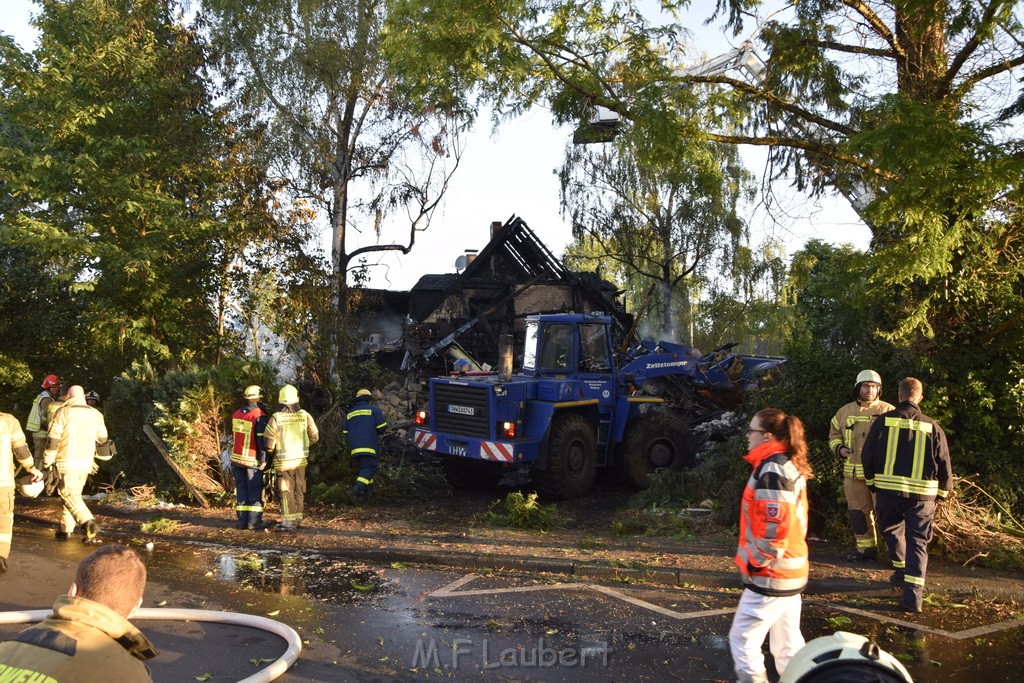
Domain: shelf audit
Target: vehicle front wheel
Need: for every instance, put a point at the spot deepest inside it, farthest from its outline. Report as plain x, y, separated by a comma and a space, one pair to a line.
571, 461
657, 440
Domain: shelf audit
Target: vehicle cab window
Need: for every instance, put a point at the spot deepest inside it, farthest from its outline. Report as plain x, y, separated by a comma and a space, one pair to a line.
594, 353
555, 347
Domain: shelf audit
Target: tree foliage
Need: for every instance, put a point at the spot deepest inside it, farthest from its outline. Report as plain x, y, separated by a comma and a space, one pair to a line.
338, 133
670, 216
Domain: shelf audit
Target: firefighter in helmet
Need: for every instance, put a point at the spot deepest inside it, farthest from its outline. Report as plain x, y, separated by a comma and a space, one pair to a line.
38, 422
847, 433
249, 458
363, 425
288, 435
77, 438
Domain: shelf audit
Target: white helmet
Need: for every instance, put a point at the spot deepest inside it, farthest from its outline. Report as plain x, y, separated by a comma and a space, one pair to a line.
27, 487
821, 659
868, 376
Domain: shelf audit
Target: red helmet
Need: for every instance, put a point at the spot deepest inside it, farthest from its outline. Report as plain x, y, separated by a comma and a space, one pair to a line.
51, 381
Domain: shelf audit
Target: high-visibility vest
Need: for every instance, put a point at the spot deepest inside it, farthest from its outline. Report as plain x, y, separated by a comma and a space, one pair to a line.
292, 434
34, 421
772, 550
247, 425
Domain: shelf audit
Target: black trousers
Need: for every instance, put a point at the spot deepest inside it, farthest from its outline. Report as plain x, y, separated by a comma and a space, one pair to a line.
906, 526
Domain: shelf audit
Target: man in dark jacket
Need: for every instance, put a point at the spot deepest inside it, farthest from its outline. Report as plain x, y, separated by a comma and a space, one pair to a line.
363, 424
88, 638
906, 464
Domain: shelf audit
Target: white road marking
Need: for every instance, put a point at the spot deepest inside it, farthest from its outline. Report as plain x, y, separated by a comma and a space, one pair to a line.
451, 591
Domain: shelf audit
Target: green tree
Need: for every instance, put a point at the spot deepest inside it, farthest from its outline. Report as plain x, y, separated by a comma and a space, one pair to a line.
131, 191
364, 158
670, 215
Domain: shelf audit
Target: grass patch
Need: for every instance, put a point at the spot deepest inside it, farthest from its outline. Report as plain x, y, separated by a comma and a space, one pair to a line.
159, 525
652, 523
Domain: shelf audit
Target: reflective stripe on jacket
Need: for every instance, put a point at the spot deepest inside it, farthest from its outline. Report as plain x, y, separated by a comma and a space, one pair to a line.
772, 552
77, 430
82, 641
362, 425
906, 454
290, 434
12, 446
247, 431
36, 417
850, 428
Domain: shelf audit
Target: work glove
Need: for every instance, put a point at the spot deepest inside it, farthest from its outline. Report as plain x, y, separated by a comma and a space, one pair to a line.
49, 457
36, 475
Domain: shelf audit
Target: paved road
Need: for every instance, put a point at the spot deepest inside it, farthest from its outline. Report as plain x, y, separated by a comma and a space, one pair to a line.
364, 623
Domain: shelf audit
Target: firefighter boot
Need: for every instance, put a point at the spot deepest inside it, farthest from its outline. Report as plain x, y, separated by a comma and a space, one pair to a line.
61, 535
3, 565
913, 599
896, 580
352, 492
92, 530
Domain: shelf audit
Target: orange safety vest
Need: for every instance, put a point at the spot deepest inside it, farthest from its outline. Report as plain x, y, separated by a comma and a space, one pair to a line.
772, 552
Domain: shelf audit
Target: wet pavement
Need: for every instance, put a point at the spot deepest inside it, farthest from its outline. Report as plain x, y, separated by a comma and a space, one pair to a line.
384, 623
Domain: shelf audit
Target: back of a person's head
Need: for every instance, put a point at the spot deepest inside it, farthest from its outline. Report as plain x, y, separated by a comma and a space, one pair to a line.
911, 389
113, 576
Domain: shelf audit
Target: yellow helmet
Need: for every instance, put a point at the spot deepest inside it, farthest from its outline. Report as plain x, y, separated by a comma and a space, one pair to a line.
253, 391
288, 395
363, 392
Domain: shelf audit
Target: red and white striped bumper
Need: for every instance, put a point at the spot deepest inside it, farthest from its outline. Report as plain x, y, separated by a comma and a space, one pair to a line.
425, 440
494, 450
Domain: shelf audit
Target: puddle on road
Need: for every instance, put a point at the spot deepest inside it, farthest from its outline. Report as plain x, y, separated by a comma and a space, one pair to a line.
928, 656
312, 576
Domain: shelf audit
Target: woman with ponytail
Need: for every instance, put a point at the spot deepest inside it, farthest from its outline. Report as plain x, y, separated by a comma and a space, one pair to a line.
772, 553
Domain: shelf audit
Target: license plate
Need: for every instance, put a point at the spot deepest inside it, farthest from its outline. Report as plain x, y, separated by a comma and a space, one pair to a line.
461, 410
457, 449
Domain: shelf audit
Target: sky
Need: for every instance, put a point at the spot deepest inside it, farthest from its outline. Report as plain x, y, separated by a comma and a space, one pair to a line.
511, 171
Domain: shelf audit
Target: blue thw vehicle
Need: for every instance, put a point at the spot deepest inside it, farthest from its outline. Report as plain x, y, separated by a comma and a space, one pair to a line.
573, 407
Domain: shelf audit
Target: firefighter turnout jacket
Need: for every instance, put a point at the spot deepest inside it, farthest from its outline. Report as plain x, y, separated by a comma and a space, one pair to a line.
850, 428
82, 641
363, 423
248, 425
289, 434
906, 455
12, 447
78, 435
772, 552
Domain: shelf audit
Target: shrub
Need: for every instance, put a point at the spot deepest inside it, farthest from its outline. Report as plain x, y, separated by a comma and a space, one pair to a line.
524, 512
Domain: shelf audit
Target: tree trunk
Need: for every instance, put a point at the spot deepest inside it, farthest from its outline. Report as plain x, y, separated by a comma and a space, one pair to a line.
922, 42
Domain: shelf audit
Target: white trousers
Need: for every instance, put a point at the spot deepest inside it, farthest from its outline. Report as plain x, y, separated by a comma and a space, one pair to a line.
758, 616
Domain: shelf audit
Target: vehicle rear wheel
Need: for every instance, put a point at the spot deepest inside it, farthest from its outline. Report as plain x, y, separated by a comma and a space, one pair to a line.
571, 461
471, 475
657, 440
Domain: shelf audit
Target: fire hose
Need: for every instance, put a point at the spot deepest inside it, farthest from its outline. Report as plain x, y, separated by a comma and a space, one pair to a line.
271, 672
